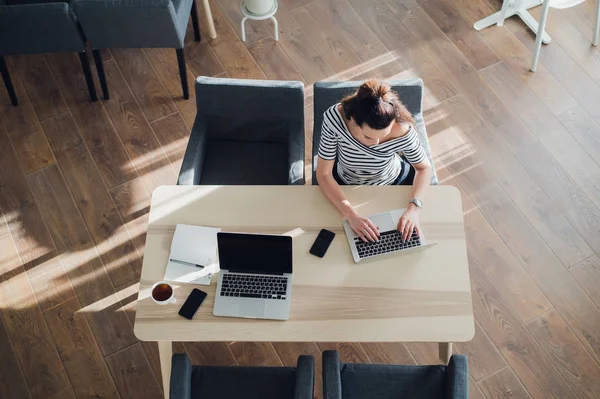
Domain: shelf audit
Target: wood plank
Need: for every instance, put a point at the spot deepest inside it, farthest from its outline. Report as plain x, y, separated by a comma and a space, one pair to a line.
575, 364
399, 6
136, 134
52, 288
582, 169
143, 82
349, 352
336, 51
34, 244
273, 60
462, 34
503, 384
352, 26
583, 128
255, 354
12, 384
484, 358
587, 274
41, 88
133, 202
424, 353
387, 353
78, 351
21, 123
210, 353
81, 260
521, 352
474, 391
173, 133
303, 54
398, 40
229, 49
290, 4
528, 195
132, 374
27, 330
581, 86
255, 30
93, 123
93, 200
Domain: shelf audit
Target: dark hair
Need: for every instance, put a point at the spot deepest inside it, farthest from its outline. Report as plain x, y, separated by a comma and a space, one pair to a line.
376, 104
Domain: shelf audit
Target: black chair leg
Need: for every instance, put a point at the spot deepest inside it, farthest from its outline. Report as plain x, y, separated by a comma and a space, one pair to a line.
195, 21
8, 83
101, 74
183, 73
87, 72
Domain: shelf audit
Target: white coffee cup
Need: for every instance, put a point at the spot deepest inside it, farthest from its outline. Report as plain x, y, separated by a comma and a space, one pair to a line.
165, 293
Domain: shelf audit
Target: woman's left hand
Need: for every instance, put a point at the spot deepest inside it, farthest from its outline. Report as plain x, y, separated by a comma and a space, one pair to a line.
409, 221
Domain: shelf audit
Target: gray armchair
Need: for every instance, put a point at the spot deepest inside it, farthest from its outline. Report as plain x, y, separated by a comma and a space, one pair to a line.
328, 93
207, 382
382, 381
137, 24
29, 28
246, 132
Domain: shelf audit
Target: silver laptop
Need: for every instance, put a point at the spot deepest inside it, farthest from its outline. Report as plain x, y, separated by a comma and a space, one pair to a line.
390, 240
256, 276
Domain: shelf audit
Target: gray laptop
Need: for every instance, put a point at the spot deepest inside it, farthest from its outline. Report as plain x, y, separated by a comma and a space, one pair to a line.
256, 276
390, 240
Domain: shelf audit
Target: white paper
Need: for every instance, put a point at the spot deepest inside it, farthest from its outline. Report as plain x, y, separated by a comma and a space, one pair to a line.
196, 245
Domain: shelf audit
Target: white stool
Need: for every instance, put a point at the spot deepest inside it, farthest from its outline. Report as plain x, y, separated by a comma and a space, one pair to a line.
270, 14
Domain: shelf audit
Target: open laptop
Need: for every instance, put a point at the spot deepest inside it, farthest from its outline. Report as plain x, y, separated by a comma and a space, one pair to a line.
256, 276
390, 240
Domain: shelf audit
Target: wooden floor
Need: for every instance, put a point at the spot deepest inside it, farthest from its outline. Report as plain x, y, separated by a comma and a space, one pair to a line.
76, 178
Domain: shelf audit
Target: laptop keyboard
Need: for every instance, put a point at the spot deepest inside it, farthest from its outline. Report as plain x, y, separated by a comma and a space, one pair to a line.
389, 241
249, 286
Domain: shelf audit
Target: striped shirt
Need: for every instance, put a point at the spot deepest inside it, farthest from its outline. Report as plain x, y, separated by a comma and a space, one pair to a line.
359, 164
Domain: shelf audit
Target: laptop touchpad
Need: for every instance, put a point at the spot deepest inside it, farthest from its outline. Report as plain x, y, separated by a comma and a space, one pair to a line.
384, 222
252, 308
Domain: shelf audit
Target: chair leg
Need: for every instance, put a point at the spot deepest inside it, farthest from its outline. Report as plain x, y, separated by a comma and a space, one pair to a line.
87, 72
197, 36
101, 75
8, 83
540, 34
183, 73
597, 27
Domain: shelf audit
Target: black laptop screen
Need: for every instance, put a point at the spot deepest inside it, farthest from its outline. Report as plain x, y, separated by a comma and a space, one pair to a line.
255, 253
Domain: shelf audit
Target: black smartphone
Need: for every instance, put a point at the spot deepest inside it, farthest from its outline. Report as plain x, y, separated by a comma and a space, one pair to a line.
192, 303
322, 242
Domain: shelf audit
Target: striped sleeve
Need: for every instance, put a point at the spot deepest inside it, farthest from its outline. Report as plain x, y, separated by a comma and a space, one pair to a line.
412, 148
329, 138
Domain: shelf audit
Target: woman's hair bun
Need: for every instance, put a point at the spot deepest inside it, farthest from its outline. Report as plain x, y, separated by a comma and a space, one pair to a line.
373, 89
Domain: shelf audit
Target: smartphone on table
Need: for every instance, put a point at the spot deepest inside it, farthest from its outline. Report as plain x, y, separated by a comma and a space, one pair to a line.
192, 303
321, 244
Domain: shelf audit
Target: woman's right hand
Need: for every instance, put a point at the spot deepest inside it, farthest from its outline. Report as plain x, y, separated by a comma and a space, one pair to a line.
364, 228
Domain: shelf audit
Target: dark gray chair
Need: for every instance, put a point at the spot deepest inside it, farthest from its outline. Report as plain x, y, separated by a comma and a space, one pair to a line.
246, 132
328, 93
382, 381
211, 382
137, 24
30, 28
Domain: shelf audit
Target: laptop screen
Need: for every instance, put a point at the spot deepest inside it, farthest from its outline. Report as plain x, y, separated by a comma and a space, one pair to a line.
255, 253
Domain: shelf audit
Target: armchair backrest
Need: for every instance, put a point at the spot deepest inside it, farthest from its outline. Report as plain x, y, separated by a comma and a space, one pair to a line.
264, 109
327, 94
39, 28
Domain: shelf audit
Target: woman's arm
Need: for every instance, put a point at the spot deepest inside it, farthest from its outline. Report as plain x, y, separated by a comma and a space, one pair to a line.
363, 227
410, 218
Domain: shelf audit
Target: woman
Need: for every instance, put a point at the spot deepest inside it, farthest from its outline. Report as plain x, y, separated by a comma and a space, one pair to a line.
360, 141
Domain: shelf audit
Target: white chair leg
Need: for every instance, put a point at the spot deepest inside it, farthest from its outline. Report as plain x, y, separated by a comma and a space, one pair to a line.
277, 28
244, 29
597, 27
539, 35
505, 5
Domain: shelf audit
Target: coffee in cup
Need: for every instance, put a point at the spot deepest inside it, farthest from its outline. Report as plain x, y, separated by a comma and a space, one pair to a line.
162, 293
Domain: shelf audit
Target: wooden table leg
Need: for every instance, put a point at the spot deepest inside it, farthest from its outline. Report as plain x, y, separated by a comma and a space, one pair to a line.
209, 19
165, 352
445, 352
